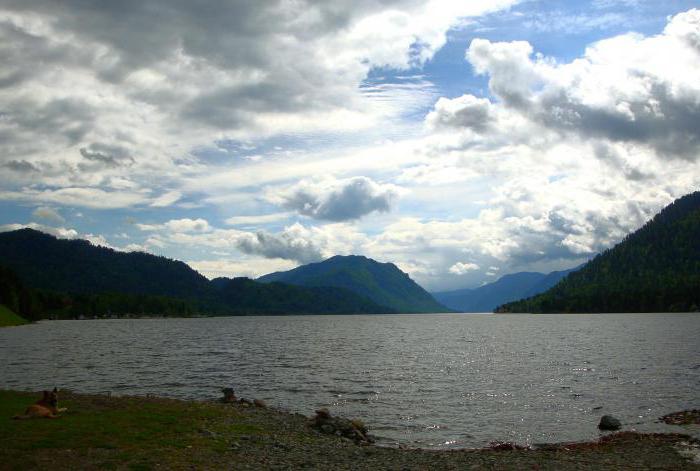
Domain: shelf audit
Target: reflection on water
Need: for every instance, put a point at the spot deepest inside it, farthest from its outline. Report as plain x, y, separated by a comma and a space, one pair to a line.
423, 380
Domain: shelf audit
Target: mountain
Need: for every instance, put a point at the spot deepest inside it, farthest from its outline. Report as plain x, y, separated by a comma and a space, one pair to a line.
251, 297
383, 283
42, 261
507, 288
42, 276
655, 269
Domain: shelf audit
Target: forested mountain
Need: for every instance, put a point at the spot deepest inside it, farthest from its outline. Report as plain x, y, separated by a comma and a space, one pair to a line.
507, 288
655, 269
383, 283
251, 297
45, 262
42, 276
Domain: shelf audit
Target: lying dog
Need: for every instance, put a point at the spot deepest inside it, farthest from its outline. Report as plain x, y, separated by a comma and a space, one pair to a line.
46, 407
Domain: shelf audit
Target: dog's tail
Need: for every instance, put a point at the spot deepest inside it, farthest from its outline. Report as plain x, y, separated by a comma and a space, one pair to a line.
21, 417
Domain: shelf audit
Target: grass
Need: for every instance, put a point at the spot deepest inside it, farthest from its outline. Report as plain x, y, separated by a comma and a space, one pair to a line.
134, 433
9, 318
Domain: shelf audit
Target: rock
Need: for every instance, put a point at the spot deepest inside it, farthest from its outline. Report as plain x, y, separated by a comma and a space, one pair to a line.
207, 433
354, 430
608, 422
229, 395
685, 417
259, 403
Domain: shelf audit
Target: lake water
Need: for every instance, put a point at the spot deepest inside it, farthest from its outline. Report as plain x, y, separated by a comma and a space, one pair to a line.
442, 381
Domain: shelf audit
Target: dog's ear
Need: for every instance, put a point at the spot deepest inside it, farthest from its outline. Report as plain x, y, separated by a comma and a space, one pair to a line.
55, 389
45, 393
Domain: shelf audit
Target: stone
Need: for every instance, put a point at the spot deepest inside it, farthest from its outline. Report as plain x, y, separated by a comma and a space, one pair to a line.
229, 395
608, 422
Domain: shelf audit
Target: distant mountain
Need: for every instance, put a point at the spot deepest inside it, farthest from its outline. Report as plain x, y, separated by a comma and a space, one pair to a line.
383, 283
655, 269
507, 288
42, 276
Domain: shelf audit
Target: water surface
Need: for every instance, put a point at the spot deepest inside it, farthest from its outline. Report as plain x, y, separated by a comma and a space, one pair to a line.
451, 380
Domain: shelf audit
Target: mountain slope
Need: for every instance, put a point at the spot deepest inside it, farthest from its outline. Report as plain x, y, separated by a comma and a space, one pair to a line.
45, 262
507, 288
42, 276
655, 269
383, 283
250, 297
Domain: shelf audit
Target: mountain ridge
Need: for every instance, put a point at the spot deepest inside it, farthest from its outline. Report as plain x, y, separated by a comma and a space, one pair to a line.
653, 269
510, 287
43, 276
384, 283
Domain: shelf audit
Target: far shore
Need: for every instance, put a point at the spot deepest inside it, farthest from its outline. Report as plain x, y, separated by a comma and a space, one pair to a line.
99, 431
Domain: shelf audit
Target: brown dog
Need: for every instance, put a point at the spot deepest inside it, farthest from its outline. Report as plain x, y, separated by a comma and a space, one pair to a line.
46, 407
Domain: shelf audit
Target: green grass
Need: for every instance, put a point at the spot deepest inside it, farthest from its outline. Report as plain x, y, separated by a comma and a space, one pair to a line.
9, 318
132, 432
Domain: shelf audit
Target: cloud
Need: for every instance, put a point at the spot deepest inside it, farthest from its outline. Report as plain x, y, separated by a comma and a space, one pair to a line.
21, 166
339, 200
178, 225
250, 267
460, 268
256, 219
166, 199
80, 197
77, 85
49, 214
291, 244
658, 106
466, 111
105, 154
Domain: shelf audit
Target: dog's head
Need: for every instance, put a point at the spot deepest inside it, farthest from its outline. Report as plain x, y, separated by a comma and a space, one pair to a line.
51, 397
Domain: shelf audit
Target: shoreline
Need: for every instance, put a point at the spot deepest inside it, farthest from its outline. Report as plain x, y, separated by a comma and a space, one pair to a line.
101, 431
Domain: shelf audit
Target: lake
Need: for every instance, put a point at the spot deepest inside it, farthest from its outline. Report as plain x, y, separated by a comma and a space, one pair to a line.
443, 381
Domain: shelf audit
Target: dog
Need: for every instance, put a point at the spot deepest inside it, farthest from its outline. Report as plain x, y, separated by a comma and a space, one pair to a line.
46, 407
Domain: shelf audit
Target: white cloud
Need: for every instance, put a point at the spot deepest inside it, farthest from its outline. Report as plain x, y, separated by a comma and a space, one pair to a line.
256, 219
77, 197
178, 225
250, 267
49, 214
166, 199
460, 268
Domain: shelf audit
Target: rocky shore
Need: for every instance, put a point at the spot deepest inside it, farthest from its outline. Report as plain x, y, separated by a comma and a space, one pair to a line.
101, 432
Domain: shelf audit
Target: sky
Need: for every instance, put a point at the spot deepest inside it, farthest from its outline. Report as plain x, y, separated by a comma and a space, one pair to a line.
459, 140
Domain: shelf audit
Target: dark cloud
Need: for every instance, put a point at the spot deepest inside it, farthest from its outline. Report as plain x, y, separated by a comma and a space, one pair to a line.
661, 119
66, 119
108, 155
21, 166
344, 200
287, 245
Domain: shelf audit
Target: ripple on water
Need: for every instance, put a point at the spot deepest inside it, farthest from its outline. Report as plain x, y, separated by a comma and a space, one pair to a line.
433, 380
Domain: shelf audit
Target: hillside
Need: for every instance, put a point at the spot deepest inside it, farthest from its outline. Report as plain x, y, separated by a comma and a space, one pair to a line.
9, 318
655, 269
45, 277
250, 297
507, 288
45, 262
383, 283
